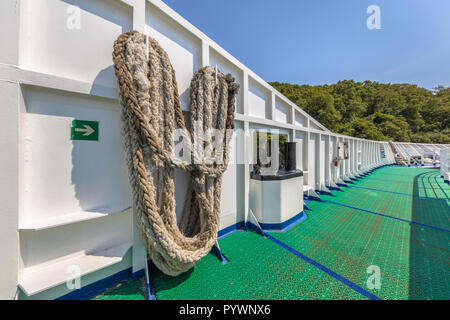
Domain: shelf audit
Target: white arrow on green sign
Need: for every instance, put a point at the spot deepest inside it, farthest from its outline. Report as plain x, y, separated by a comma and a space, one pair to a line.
84, 130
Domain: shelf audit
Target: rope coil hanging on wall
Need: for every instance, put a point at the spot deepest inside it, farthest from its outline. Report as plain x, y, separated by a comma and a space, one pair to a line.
150, 108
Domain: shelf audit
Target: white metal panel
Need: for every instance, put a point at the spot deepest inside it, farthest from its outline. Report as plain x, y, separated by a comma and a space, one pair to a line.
51, 44
312, 160
258, 100
226, 66
9, 187
300, 120
299, 154
332, 152
63, 176
281, 111
184, 49
301, 138
321, 162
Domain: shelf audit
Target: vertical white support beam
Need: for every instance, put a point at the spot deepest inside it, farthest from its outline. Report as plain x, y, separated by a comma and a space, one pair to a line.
273, 105
373, 153
245, 92
10, 15
327, 161
354, 159
139, 15
341, 164
9, 187
358, 148
333, 177
364, 156
205, 54
367, 155
380, 160
307, 166
291, 119
319, 157
347, 161
379, 145
246, 147
344, 166
10, 101
376, 152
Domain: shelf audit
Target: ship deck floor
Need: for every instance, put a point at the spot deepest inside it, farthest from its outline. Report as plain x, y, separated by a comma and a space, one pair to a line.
395, 220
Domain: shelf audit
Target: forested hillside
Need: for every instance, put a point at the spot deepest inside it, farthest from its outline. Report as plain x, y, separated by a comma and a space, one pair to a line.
372, 110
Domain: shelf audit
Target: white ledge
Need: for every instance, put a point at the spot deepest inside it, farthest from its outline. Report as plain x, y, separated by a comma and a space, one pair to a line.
62, 220
51, 274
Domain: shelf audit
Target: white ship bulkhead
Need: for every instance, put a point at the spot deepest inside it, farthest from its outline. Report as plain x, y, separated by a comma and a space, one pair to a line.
66, 208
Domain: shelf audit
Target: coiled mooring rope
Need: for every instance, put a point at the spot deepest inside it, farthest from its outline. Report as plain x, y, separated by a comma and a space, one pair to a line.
150, 108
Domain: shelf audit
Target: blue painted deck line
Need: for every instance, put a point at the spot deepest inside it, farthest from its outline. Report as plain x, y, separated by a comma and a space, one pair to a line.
330, 272
230, 230
403, 194
440, 187
387, 216
282, 226
96, 288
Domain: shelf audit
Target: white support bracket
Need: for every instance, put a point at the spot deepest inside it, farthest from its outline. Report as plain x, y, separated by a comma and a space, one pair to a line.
255, 222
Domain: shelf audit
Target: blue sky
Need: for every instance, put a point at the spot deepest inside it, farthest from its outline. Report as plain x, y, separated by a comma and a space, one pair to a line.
324, 41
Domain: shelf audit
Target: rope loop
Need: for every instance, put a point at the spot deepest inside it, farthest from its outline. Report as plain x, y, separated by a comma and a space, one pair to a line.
150, 108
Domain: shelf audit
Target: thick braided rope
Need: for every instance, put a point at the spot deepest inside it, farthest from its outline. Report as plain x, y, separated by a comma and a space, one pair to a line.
150, 106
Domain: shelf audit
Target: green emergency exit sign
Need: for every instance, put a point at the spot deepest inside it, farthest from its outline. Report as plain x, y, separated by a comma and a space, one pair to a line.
84, 130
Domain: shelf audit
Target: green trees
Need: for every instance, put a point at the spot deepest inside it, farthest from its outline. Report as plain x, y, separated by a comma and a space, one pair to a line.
372, 110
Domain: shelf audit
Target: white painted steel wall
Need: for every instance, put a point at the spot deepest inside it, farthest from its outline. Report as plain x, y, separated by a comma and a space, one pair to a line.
62, 199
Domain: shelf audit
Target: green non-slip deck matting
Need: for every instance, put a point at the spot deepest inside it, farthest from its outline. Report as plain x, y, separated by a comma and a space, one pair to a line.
413, 259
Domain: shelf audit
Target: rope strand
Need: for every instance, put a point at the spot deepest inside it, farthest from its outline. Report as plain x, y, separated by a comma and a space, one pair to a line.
150, 108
